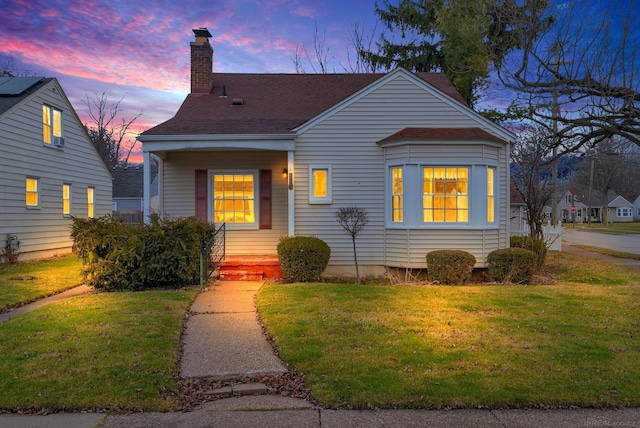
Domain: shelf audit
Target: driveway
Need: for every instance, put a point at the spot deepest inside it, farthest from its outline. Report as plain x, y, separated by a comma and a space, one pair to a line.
625, 243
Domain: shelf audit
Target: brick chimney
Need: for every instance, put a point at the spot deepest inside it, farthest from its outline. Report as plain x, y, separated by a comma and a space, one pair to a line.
201, 62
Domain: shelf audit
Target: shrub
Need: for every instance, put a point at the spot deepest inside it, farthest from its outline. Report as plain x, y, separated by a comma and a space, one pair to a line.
515, 265
450, 266
165, 253
538, 246
303, 258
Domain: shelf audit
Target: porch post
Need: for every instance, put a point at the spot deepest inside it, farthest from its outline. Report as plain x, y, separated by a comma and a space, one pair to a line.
291, 199
146, 186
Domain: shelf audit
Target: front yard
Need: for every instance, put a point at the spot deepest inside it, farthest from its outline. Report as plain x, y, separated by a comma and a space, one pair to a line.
574, 343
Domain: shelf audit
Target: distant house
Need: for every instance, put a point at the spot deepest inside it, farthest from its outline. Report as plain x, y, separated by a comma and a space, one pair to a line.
271, 155
636, 209
517, 212
49, 168
620, 210
128, 192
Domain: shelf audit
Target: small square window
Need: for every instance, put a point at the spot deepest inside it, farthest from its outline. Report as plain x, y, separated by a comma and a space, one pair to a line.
320, 185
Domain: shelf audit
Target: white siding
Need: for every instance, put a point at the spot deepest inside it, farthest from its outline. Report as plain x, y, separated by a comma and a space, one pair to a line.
179, 193
346, 140
23, 154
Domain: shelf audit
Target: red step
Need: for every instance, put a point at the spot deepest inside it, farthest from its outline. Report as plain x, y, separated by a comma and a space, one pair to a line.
249, 268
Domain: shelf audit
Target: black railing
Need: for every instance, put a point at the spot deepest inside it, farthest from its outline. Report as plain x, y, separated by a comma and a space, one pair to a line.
211, 254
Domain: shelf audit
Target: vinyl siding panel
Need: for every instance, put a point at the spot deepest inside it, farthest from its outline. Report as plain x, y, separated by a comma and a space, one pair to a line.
23, 154
179, 193
347, 140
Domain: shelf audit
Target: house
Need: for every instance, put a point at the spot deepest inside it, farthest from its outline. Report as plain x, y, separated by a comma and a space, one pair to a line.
128, 192
619, 210
49, 168
636, 209
271, 155
517, 212
570, 209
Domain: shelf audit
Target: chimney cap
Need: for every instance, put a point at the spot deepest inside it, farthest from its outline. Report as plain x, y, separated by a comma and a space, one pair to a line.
201, 32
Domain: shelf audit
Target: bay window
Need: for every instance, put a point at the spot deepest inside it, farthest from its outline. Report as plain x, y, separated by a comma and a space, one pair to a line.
432, 196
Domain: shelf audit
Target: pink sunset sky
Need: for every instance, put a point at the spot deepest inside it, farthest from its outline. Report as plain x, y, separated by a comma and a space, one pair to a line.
139, 50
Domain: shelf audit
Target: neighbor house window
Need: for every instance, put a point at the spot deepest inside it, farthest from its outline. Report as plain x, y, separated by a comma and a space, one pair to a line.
66, 199
32, 189
234, 198
445, 196
320, 185
396, 195
491, 199
624, 212
90, 202
51, 124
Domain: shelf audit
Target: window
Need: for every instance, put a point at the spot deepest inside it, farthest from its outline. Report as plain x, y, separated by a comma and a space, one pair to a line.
624, 212
51, 124
66, 199
396, 195
491, 200
445, 196
90, 202
320, 185
32, 192
234, 198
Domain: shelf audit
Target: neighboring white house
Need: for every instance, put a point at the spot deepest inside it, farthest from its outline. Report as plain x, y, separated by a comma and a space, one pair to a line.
49, 168
272, 155
636, 209
620, 210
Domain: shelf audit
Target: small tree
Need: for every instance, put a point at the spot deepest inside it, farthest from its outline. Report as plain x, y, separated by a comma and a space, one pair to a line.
352, 220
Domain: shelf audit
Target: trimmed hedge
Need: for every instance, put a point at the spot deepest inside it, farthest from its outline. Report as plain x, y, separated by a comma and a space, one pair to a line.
515, 265
303, 258
450, 266
162, 254
538, 246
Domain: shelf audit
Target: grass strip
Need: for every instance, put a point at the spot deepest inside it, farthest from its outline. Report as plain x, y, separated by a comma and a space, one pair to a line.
30, 281
574, 343
607, 251
99, 351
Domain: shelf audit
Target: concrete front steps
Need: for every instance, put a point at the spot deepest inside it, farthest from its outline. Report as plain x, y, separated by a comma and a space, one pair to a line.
249, 268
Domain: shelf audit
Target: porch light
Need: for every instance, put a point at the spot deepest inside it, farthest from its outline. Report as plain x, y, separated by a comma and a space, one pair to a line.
285, 173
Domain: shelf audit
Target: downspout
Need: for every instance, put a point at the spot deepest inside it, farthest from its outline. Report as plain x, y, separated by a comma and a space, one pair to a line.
290, 194
146, 180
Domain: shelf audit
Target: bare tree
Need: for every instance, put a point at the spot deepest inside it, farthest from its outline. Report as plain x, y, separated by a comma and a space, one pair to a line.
360, 42
352, 220
10, 69
319, 61
531, 176
108, 131
578, 67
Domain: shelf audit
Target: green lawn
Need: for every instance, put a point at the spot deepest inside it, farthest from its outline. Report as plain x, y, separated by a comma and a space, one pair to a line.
33, 280
98, 351
613, 228
576, 342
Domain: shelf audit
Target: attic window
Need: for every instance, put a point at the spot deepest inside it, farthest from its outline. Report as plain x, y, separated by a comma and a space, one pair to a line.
237, 101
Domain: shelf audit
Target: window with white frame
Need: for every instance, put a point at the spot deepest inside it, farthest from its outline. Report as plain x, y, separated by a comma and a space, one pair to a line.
624, 212
426, 196
32, 188
66, 199
234, 198
52, 125
445, 197
397, 205
90, 202
320, 184
491, 198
